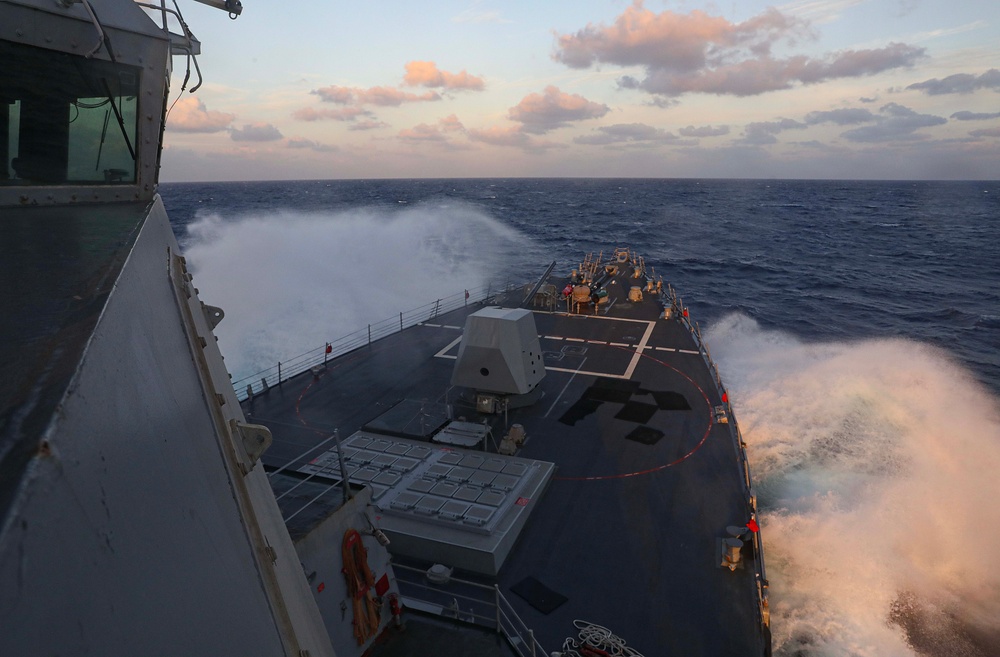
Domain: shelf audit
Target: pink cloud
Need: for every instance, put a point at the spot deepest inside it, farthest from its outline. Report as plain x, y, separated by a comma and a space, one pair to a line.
427, 74
696, 52
513, 136
381, 96
255, 132
433, 133
368, 125
539, 113
422, 132
189, 114
497, 136
343, 114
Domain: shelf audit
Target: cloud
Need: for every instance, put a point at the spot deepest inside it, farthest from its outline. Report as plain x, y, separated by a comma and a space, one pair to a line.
512, 136
255, 132
496, 136
189, 114
704, 131
960, 83
342, 114
895, 123
451, 123
381, 96
423, 132
433, 133
699, 53
848, 116
312, 145
368, 125
986, 132
622, 133
427, 74
540, 113
763, 132
975, 116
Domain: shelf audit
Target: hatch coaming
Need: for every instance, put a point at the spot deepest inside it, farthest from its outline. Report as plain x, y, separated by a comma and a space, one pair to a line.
82, 102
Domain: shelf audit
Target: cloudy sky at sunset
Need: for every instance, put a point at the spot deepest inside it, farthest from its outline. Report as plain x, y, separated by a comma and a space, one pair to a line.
883, 89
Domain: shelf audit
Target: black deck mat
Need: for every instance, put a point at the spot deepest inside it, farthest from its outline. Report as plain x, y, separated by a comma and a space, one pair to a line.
581, 409
668, 400
607, 394
637, 412
645, 435
607, 389
616, 384
538, 595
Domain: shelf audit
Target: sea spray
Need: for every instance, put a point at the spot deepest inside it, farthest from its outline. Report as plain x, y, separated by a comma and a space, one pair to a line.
876, 464
289, 281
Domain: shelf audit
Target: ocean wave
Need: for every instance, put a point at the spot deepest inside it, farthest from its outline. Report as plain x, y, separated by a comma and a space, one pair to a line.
872, 460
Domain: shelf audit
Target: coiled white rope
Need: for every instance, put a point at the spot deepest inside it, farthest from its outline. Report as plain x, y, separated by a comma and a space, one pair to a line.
593, 639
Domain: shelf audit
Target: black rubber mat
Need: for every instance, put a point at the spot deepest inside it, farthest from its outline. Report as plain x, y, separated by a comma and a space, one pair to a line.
667, 400
635, 411
645, 435
538, 595
607, 394
581, 409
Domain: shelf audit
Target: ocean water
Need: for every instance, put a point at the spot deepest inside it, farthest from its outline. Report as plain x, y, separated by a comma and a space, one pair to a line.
856, 325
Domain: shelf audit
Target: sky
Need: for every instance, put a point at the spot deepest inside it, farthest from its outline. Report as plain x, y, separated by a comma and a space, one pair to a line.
814, 89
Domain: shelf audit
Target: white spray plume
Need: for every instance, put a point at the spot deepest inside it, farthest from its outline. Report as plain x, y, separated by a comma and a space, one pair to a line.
877, 464
291, 281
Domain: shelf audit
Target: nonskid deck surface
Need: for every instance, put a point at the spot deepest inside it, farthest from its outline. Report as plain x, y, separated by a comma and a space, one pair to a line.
627, 534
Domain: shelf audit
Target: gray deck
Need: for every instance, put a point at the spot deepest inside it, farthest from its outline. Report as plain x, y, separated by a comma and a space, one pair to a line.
629, 527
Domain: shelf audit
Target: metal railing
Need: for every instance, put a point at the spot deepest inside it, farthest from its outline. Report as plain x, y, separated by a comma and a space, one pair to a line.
671, 300
469, 602
282, 371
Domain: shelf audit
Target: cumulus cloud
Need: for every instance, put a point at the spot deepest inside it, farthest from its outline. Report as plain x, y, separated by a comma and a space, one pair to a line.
624, 133
312, 145
975, 116
540, 113
368, 125
696, 52
497, 136
433, 133
851, 116
381, 96
190, 115
894, 123
255, 132
340, 114
427, 74
762, 133
960, 83
512, 136
704, 131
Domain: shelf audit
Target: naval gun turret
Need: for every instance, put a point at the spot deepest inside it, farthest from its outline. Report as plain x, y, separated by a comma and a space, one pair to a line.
500, 359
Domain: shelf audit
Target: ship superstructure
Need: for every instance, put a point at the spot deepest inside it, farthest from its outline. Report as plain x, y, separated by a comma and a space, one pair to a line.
523, 461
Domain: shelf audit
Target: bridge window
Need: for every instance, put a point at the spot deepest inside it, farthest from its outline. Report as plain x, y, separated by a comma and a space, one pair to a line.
65, 119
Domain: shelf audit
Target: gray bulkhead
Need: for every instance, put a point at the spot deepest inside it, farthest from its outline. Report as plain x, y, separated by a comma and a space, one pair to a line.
134, 531
133, 519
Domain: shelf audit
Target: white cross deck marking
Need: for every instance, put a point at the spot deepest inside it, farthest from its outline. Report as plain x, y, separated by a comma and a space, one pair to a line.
633, 363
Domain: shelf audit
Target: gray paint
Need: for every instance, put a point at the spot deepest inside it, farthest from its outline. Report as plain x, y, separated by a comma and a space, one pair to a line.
499, 352
320, 552
126, 536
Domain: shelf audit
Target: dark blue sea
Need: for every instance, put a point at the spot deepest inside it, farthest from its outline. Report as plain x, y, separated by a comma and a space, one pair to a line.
856, 324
